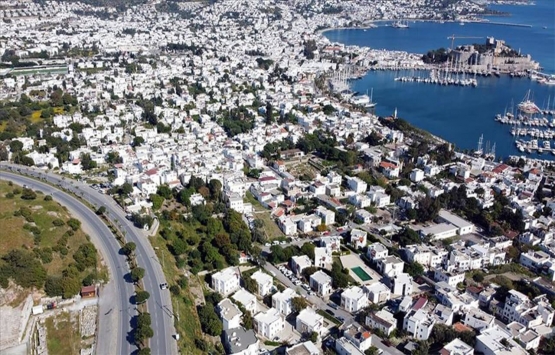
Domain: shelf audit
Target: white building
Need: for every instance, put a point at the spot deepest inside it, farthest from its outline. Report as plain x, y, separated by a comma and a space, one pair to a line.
328, 217
495, 341
306, 348
268, 324
357, 185
226, 281
377, 251
457, 347
382, 320
238, 341
451, 278
402, 285
230, 314
299, 263
309, 321
263, 281
477, 319
390, 266
282, 301
377, 292
323, 257
358, 238
419, 324
247, 299
320, 282
463, 226
416, 175
353, 299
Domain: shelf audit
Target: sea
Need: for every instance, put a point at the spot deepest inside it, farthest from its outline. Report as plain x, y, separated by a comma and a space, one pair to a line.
461, 115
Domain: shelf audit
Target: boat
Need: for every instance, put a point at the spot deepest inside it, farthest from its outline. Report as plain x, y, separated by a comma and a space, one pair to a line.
400, 24
528, 106
371, 103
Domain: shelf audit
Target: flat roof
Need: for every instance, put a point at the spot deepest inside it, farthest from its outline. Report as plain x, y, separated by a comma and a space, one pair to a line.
454, 219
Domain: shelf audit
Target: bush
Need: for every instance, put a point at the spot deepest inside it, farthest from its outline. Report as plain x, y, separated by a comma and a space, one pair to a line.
176, 290
74, 224
48, 198
478, 277
53, 286
58, 222
9, 195
28, 194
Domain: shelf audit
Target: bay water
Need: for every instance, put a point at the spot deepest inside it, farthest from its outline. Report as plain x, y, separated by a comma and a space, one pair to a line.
461, 114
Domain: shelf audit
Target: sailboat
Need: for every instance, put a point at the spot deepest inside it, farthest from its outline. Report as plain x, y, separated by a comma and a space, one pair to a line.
371, 104
528, 106
400, 24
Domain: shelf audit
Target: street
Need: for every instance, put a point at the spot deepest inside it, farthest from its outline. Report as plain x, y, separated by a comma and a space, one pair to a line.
162, 322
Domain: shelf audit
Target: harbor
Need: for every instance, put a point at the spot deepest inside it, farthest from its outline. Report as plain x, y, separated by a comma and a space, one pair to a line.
529, 120
457, 113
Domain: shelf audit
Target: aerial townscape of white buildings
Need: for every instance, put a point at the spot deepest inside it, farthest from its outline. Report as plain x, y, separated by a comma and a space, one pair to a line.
230, 79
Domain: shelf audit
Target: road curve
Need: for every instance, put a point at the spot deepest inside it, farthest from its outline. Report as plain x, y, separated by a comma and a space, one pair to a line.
114, 297
159, 304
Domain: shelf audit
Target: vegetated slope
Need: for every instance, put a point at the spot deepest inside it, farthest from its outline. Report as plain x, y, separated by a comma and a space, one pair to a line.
42, 246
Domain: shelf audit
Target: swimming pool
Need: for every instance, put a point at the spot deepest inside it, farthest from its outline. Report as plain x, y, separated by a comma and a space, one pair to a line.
361, 273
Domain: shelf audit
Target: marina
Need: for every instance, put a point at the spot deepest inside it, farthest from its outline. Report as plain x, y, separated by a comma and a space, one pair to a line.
457, 113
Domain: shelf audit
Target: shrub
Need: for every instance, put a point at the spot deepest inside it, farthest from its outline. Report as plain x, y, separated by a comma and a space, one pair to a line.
58, 222
48, 198
175, 289
9, 195
74, 223
28, 194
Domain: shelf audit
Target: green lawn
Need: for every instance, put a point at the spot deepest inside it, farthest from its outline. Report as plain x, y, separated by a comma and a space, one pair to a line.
62, 335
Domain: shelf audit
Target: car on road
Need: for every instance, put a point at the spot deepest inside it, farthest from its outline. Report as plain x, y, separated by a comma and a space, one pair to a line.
332, 305
330, 312
341, 319
164, 286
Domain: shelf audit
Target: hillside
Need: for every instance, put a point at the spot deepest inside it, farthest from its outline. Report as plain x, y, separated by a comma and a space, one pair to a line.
42, 246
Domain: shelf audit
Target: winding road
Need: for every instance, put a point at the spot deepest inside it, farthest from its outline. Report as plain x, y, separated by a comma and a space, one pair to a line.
114, 327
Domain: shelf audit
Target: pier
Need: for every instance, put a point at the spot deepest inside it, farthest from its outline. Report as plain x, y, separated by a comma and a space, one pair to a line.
501, 23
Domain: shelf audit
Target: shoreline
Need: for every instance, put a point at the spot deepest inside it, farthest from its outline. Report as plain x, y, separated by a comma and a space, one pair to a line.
371, 24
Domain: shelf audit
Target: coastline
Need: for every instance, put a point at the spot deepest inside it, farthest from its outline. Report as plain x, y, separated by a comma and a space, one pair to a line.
370, 25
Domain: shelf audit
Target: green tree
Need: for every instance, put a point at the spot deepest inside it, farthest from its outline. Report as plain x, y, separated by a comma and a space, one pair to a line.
372, 351
137, 274
314, 337
23, 268
16, 146
101, 210
86, 161
141, 297
85, 256
308, 250
129, 248
157, 201
339, 276
144, 351
209, 320
414, 269
71, 285
53, 286
298, 304
126, 189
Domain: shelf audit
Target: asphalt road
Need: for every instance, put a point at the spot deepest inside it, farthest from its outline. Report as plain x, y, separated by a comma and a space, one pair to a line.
159, 303
114, 324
